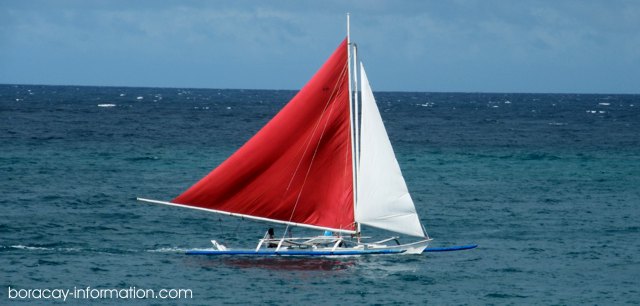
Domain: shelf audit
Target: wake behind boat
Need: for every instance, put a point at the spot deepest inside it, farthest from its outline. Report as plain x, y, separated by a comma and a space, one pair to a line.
324, 162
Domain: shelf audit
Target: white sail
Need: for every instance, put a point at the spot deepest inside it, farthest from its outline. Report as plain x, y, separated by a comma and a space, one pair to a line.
383, 198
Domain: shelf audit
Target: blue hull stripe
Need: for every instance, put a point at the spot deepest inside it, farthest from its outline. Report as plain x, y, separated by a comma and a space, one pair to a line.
453, 248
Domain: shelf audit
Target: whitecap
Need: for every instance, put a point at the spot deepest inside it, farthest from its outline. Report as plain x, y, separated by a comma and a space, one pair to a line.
604, 103
106, 105
24, 247
69, 249
168, 250
139, 98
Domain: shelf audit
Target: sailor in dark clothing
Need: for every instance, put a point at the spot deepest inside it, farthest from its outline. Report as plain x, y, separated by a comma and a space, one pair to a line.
271, 234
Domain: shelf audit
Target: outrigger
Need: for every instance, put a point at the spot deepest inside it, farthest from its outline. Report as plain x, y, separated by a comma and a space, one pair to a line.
316, 246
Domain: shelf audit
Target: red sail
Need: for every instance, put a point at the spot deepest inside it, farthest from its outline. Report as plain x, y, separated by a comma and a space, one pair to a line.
297, 168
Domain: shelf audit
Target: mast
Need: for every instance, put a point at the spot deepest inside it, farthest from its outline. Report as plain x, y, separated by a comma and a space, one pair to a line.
355, 106
352, 126
357, 123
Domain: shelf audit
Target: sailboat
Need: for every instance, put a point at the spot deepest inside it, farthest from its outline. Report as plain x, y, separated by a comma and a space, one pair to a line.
324, 162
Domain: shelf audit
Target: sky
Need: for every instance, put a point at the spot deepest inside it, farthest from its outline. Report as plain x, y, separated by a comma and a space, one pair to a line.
567, 46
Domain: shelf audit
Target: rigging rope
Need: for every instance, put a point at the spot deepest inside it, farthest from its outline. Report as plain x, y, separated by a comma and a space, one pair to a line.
336, 89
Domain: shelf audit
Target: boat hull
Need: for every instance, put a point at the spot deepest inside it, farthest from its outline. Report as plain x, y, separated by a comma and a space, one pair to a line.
411, 248
248, 252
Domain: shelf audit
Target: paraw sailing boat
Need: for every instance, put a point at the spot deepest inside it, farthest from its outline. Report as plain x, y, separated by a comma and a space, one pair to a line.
319, 165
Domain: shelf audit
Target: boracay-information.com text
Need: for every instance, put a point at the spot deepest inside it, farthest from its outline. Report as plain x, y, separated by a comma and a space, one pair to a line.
95, 293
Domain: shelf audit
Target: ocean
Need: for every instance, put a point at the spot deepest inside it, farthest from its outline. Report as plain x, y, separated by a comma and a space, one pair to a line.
546, 184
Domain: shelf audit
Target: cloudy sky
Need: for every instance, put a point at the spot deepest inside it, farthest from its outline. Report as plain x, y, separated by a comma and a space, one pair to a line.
568, 46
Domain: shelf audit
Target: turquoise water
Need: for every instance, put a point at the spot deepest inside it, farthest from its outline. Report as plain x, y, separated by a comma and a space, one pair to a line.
547, 185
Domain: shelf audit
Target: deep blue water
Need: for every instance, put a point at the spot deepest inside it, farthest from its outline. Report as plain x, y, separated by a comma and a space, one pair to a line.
546, 184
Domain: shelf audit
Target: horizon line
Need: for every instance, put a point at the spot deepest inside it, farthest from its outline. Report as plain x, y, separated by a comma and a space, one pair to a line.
263, 89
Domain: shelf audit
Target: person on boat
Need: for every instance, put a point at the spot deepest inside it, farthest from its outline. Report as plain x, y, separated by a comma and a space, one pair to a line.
271, 235
332, 234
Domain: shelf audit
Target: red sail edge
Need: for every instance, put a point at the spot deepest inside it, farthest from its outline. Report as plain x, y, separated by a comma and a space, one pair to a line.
298, 167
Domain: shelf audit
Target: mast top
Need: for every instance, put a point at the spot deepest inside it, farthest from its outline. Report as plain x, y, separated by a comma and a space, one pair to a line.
348, 31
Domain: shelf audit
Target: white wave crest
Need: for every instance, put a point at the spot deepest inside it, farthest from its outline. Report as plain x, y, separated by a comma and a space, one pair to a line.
168, 250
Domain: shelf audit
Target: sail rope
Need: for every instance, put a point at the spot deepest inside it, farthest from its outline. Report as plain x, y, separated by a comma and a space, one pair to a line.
336, 88
308, 141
